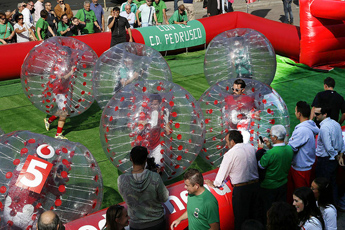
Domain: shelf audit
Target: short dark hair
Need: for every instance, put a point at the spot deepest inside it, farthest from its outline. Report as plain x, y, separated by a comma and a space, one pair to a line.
17, 17
139, 155
48, 226
44, 13
329, 82
116, 9
155, 96
240, 82
325, 192
235, 135
63, 15
194, 176
326, 110
303, 108
282, 216
113, 212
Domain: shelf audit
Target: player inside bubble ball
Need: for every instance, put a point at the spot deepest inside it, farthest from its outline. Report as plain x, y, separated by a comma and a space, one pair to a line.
240, 109
157, 118
240, 58
62, 90
127, 74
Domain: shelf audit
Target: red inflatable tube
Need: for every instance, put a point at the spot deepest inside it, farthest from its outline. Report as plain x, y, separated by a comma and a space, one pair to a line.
174, 208
322, 37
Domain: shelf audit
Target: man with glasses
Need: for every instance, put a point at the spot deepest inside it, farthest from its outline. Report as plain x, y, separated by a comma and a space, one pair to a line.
277, 162
63, 8
21, 6
51, 19
87, 18
329, 145
49, 220
28, 20
148, 13
240, 165
129, 15
179, 16
302, 142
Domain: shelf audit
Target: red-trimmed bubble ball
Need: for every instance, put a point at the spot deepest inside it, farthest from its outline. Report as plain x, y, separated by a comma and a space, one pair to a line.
123, 64
242, 53
253, 112
56, 76
159, 115
40, 173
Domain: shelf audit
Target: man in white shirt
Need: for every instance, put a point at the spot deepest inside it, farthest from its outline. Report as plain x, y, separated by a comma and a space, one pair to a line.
130, 16
28, 20
240, 165
147, 12
38, 8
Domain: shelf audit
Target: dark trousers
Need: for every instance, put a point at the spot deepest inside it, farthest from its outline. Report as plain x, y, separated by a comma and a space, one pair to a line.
328, 168
175, 5
268, 197
159, 226
244, 203
230, 9
288, 11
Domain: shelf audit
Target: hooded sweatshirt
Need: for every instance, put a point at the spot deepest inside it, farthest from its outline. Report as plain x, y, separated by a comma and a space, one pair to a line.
302, 142
144, 194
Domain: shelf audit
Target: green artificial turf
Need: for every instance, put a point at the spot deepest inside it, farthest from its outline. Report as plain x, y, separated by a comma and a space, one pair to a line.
293, 82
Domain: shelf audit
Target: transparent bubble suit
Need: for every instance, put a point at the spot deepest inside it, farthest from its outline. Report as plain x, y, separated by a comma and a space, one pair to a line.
56, 76
123, 64
40, 173
242, 53
252, 113
159, 115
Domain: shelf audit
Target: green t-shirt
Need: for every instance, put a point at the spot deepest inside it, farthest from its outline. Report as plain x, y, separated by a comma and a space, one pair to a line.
62, 27
277, 162
43, 24
159, 10
178, 17
90, 20
4, 33
202, 211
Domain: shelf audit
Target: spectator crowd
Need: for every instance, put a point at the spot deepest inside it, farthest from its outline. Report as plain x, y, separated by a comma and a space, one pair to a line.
286, 184
41, 20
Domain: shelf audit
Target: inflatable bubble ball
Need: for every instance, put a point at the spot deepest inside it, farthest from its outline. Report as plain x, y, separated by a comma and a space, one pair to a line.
159, 115
240, 53
41, 173
123, 64
229, 105
56, 76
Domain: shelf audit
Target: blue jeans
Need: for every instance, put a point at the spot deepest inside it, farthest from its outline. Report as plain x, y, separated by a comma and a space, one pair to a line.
288, 11
328, 169
175, 5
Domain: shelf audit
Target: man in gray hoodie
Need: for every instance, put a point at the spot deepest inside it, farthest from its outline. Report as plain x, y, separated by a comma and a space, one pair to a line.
302, 142
144, 192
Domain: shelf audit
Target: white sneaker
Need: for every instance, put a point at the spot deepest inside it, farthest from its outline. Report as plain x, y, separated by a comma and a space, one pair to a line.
46, 124
61, 137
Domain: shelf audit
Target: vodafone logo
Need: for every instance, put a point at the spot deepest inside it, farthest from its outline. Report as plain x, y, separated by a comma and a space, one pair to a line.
45, 151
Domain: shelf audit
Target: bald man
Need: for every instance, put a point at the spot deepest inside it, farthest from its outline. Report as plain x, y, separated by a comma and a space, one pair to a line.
49, 221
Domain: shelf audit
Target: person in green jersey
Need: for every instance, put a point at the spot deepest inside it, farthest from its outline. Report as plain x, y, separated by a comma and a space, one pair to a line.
88, 18
179, 16
42, 26
277, 162
202, 207
161, 8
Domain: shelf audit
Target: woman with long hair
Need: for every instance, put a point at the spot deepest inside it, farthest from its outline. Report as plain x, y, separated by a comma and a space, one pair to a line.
309, 215
116, 218
324, 199
282, 216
